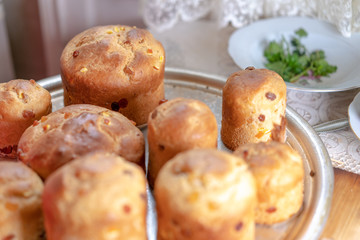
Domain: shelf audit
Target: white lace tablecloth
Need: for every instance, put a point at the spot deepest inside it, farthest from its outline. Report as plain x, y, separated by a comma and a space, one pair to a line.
202, 46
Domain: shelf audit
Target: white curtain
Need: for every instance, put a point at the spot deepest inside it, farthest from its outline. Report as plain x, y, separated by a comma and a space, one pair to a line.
63, 19
6, 66
164, 14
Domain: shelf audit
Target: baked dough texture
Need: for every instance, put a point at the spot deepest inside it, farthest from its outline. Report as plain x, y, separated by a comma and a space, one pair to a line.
99, 196
21, 103
77, 130
117, 67
279, 174
253, 108
176, 126
20, 202
204, 194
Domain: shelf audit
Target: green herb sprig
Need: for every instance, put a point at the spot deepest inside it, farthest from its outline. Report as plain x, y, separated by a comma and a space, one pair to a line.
293, 61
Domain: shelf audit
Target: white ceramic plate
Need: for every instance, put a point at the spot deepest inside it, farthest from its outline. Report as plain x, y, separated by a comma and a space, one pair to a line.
246, 47
354, 115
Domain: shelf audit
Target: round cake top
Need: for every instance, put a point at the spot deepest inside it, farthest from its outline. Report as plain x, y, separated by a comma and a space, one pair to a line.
206, 182
76, 130
21, 192
113, 56
185, 122
23, 100
98, 196
276, 166
255, 85
18, 182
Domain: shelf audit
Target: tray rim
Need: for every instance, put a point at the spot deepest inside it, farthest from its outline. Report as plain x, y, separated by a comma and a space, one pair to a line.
324, 174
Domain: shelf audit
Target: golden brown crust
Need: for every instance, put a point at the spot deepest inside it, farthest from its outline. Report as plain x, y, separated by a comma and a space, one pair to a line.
21, 102
76, 130
205, 194
116, 67
279, 175
99, 196
20, 202
175, 126
254, 102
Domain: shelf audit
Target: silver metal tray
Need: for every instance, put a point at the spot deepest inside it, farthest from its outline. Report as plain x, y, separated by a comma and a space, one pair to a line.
310, 221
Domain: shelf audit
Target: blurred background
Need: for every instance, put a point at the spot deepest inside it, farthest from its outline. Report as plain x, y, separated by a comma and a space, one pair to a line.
34, 32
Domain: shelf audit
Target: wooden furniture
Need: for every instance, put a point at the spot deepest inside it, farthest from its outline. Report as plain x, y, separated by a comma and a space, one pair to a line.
344, 219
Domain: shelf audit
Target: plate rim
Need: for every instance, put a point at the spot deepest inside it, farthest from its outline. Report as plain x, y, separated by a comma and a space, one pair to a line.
351, 111
325, 177
290, 20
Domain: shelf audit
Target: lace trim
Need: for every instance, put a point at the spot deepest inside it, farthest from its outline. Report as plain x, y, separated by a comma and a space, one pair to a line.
161, 15
164, 14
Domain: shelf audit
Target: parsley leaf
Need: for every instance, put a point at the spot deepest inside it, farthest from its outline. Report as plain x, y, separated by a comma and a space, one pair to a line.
293, 61
301, 32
